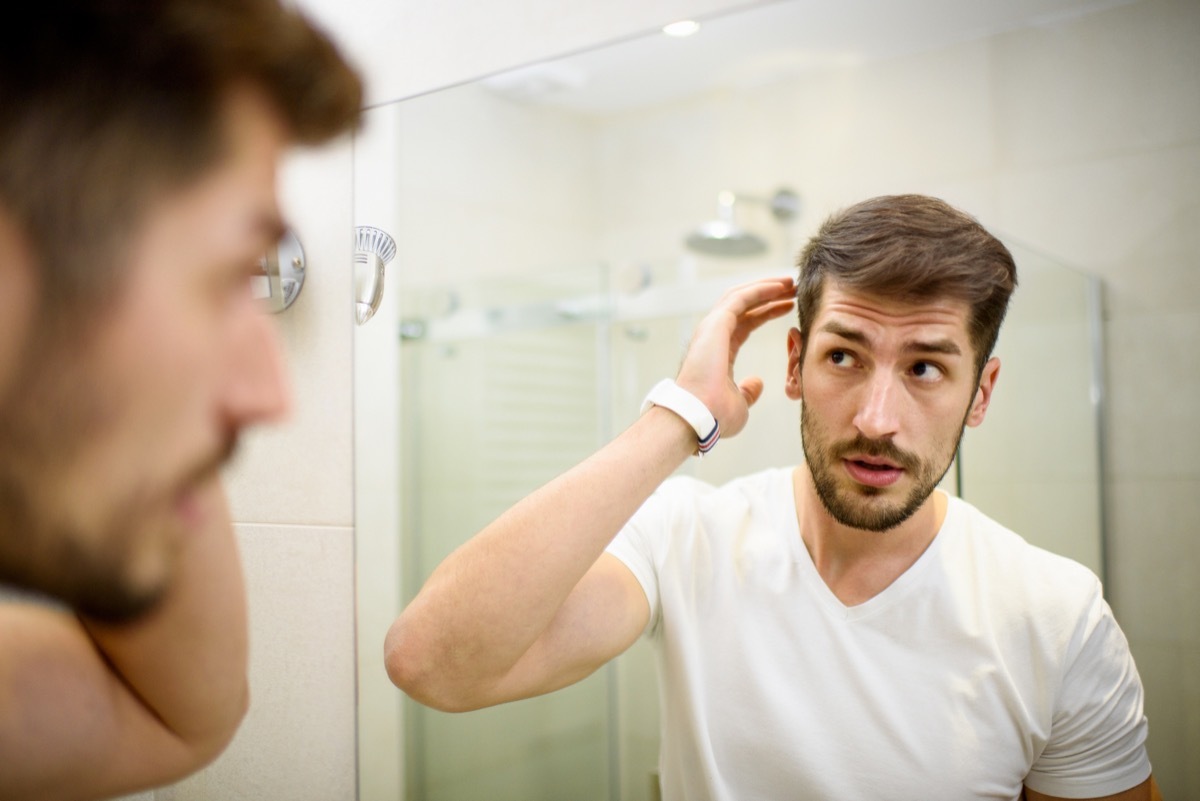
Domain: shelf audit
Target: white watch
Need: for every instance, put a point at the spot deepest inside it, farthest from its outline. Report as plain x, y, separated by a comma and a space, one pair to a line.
669, 395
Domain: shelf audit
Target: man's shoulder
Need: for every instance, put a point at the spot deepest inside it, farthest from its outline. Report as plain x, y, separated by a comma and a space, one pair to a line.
1018, 569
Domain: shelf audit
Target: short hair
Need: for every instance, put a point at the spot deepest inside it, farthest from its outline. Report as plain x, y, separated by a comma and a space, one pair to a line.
105, 104
913, 248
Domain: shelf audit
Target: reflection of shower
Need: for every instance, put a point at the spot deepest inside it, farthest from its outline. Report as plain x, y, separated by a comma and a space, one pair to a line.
724, 237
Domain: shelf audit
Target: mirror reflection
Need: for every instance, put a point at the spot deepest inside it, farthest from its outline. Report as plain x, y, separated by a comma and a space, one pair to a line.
560, 231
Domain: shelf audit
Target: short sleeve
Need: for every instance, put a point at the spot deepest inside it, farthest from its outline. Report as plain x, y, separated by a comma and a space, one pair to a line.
642, 543
1097, 744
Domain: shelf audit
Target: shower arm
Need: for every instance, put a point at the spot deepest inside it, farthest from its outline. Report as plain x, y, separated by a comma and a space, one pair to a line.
784, 204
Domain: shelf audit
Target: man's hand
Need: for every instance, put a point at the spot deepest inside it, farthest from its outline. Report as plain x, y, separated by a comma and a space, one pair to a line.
707, 370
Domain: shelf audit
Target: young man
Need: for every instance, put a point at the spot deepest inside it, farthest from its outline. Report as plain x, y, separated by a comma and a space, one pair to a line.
837, 630
138, 149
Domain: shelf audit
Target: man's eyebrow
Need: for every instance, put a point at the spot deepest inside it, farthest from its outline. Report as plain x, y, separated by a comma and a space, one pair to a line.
947, 347
845, 332
944, 346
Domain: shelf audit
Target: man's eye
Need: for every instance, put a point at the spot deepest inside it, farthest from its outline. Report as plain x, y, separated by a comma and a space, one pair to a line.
926, 371
841, 358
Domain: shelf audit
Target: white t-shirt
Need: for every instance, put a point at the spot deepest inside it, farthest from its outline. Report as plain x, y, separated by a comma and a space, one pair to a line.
987, 665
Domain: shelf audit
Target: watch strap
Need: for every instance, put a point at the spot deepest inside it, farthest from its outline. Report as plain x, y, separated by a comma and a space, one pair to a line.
669, 395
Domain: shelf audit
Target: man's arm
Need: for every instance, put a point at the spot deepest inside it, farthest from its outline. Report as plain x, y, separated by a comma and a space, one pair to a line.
1146, 791
91, 711
532, 603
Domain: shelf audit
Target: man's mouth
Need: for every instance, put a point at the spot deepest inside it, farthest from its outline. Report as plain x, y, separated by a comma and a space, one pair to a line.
872, 471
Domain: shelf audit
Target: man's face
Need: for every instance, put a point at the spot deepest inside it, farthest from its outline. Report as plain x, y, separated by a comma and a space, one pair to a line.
887, 388
112, 438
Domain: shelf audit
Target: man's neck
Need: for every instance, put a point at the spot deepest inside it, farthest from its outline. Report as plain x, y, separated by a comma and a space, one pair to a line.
854, 563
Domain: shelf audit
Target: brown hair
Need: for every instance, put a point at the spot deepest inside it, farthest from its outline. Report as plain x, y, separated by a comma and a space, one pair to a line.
913, 248
107, 103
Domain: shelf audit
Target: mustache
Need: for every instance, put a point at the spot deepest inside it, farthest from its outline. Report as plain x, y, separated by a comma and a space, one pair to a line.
879, 448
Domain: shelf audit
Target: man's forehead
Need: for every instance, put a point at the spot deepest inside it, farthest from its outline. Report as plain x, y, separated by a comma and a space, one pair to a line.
843, 309
836, 299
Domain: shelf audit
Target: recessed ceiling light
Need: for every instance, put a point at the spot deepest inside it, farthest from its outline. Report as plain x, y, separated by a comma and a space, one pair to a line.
682, 28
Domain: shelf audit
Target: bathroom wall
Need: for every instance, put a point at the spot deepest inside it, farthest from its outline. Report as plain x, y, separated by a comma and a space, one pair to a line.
292, 487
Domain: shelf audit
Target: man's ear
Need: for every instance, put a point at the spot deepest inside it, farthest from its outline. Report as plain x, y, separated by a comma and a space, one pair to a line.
793, 386
983, 395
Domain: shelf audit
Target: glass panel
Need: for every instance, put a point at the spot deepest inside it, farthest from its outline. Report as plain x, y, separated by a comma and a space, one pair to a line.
502, 391
1034, 464
521, 354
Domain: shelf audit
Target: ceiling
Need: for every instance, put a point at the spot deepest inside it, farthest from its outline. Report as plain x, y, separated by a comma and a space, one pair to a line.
769, 42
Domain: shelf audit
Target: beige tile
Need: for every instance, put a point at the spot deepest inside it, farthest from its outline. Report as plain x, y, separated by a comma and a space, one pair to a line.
301, 471
1116, 216
1153, 382
1171, 676
297, 741
1155, 558
1105, 83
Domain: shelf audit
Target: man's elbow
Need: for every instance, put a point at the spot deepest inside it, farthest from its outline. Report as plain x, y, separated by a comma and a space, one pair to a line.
411, 668
204, 747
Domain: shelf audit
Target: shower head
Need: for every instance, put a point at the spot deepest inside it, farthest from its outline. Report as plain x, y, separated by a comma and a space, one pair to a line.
724, 237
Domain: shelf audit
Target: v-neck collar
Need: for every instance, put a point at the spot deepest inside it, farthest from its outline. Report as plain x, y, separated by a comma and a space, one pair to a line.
890, 594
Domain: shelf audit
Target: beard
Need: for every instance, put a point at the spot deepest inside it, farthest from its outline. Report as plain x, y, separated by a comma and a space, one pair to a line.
117, 564
115, 570
865, 507
87, 571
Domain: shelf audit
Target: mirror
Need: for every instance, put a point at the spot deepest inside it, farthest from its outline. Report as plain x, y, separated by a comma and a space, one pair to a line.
542, 284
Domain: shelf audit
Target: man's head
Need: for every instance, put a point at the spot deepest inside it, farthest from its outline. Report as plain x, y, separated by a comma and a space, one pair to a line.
138, 149
911, 248
900, 301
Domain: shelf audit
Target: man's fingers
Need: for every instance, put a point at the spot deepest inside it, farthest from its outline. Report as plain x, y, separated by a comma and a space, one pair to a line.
768, 311
755, 318
745, 297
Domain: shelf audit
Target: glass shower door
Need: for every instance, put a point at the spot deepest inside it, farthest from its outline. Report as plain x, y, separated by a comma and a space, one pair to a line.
501, 387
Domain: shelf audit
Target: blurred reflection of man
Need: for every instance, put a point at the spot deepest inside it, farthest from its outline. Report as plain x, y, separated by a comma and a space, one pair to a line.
138, 150
837, 630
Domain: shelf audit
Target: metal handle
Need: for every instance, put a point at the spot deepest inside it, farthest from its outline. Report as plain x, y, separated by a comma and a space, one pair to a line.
282, 272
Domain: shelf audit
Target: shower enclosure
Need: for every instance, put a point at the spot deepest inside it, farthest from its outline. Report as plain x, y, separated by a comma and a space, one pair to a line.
508, 381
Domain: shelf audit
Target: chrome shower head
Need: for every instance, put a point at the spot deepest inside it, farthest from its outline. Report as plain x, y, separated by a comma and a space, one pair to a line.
724, 237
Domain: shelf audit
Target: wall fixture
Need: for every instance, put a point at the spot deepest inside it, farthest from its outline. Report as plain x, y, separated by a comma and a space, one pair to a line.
282, 273
724, 237
373, 249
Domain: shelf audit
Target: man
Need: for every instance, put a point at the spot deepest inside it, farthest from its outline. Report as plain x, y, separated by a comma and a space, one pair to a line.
837, 630
138, 149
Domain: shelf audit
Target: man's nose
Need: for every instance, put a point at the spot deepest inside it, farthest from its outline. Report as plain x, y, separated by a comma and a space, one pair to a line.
257, 388
879, 414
